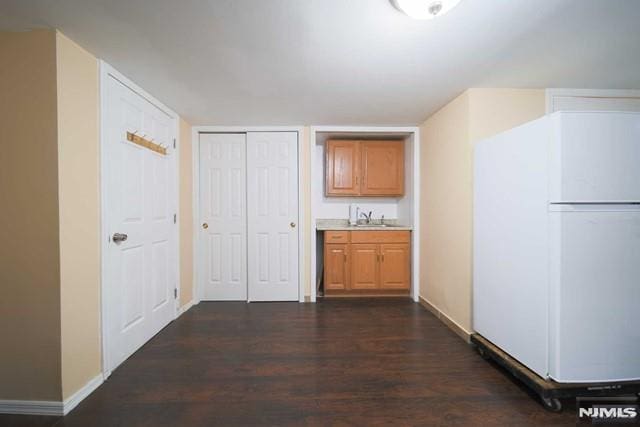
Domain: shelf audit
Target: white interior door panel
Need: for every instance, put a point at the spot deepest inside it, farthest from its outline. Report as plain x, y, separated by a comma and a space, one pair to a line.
223, 228
140, 202
272, 211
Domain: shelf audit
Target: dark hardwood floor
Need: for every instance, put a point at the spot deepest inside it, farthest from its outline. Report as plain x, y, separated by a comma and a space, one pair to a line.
339, 362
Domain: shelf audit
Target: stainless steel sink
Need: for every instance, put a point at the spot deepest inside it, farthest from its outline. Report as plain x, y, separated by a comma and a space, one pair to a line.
371, 225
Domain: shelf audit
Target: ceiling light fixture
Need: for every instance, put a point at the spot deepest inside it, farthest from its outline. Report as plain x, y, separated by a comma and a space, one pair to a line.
424, 9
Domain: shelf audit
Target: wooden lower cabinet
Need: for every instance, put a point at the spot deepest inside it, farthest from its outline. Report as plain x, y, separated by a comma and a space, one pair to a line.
365, 271
369, 263
336, 277
394, 266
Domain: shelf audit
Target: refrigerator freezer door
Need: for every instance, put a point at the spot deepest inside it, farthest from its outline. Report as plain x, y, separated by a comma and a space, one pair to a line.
595, 293
595, 157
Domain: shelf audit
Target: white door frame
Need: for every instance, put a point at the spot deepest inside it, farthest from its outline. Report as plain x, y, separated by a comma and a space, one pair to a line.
195, 140
106, 72
415, 233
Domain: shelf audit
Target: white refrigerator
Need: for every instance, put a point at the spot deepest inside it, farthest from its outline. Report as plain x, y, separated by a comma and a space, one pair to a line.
557, 245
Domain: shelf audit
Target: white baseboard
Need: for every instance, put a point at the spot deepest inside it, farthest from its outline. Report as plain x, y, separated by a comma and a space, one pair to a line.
81, 394
31, 407
51, 408
185, 308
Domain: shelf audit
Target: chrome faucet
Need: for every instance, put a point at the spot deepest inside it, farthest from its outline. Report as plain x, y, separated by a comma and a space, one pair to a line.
367, 217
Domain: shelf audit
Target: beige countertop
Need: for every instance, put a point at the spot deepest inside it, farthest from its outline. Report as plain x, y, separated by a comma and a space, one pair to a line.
343, 225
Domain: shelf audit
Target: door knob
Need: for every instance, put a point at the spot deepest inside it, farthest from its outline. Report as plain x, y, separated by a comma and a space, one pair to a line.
119, 237
205, 225
292, 225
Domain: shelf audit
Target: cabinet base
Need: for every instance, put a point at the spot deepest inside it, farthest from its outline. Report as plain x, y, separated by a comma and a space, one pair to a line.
366, 293
550, 392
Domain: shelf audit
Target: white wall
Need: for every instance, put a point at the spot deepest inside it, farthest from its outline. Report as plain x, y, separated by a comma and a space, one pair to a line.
406, 205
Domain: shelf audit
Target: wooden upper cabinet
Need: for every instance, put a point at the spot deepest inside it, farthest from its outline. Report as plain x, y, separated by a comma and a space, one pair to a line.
382, 168
364, 168
342, 168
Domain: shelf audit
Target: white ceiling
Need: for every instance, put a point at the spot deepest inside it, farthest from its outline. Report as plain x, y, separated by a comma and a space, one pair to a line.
355, 62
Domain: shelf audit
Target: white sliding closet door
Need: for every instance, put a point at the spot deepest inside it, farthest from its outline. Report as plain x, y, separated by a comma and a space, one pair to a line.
223, 227
272, 211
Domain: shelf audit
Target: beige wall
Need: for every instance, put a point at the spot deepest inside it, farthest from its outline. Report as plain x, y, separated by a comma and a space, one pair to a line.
30, 365
49, 190
445, 206
78, 187
492, 111
447, 140
185, 213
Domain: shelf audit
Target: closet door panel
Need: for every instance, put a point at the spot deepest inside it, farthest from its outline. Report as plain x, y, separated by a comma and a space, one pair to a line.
272, 209
223, 225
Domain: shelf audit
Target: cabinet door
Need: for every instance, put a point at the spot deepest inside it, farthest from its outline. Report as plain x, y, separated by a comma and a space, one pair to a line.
364, 266
336, 267
342, 168
394, 266
382, 168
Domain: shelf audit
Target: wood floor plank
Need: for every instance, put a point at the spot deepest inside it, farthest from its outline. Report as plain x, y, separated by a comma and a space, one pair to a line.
340, 362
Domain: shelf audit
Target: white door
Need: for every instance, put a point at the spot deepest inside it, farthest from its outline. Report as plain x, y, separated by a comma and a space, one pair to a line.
595, 292
272, 211
223, 225
140, 203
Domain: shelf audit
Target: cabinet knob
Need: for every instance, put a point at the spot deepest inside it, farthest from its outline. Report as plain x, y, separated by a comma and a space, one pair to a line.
205, 225
292, 225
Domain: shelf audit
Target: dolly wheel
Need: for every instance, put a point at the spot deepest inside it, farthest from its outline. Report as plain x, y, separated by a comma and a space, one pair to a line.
483, 353
552, 404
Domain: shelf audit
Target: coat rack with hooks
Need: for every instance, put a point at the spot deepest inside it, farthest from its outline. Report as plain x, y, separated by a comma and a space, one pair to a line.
143, 142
